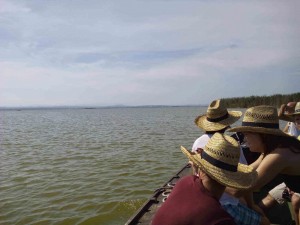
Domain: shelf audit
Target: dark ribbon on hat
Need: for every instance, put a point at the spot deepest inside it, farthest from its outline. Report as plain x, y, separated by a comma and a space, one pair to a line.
218, 119
218, 163
297, 110
263, 125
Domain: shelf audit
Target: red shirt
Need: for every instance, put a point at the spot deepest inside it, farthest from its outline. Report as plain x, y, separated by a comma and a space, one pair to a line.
191, 204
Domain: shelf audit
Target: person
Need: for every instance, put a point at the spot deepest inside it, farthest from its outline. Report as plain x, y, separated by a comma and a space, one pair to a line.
293, 127
279, 159
280, 194
291, 113
218, 119
194, 199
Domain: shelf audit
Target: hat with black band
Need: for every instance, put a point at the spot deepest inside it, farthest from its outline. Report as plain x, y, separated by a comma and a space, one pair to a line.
260, 119
217, 117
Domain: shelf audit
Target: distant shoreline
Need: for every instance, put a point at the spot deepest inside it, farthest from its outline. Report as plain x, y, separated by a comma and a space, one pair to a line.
95, 107
236, 102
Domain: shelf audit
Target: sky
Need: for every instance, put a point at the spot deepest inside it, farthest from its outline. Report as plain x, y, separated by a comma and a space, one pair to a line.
142, 52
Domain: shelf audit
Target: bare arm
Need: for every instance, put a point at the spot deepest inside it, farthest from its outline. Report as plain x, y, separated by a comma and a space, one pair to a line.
267, 168
271, 165
242, 193
286, 128
257, 162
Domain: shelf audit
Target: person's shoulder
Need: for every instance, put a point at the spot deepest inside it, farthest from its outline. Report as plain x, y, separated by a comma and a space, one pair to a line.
281, 151
204, 137
282, 155
187, 178
201, 142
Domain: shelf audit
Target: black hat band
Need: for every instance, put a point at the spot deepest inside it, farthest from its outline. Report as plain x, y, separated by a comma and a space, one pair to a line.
218, 119
263, 125
218, 163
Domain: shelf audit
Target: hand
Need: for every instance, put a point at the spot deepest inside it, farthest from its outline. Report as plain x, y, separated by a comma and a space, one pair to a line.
281, 110
290, 108
199, 150
285, 111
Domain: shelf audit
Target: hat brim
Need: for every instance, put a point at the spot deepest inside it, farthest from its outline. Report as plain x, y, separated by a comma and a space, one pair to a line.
243, 178
202, 122
276, 132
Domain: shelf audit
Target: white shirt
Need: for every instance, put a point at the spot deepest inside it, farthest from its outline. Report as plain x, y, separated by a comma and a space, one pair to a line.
292, 129
201, 142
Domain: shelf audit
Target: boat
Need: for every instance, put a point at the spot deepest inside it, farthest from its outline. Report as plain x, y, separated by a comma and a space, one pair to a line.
279, 214
145, 214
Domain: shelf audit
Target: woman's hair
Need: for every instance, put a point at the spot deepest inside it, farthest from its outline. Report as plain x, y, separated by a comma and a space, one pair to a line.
271, 142
219, 131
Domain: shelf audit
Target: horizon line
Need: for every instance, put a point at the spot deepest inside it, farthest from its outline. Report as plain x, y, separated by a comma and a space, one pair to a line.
97, 107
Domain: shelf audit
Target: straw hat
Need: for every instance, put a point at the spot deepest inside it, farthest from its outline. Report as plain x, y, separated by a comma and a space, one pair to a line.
217, 117
297, 109
220, 160
260, 119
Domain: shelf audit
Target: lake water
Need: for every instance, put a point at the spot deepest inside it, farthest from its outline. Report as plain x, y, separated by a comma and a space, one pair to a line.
88, 166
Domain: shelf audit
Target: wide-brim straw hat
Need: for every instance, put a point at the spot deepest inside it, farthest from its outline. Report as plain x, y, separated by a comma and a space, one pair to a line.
220, 161
260, 119
297, 109
217, 117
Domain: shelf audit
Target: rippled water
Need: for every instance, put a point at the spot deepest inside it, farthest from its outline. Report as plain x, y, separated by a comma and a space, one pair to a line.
88, 166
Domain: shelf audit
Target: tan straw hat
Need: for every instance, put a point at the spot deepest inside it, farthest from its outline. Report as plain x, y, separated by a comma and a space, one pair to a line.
297, 109
260, 119
220, 160
217, 117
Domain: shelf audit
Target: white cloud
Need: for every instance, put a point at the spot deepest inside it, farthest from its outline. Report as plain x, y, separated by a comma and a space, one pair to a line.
146, 52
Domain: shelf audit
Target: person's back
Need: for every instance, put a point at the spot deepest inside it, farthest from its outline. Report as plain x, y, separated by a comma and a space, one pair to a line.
195, 199
197, 206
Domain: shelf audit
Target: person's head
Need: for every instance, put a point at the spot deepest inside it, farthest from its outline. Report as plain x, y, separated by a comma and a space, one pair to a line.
296, 115
261, 129
266, 143
217, 118
220, 161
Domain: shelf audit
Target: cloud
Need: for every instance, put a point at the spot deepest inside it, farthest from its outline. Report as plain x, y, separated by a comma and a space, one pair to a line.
146, 52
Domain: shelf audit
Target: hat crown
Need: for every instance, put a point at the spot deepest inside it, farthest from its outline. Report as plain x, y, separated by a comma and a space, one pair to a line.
223, 148
216, 109
297, 108
261, 114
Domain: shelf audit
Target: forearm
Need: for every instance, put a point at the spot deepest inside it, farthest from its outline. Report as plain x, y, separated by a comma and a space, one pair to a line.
248, 196
235, 192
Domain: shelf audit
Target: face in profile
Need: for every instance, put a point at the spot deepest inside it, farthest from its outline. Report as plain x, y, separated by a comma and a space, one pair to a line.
254, 141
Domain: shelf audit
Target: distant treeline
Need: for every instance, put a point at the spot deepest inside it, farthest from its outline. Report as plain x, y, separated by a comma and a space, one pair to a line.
273, 100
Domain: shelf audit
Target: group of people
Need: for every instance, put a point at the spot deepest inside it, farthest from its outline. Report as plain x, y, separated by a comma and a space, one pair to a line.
226, 173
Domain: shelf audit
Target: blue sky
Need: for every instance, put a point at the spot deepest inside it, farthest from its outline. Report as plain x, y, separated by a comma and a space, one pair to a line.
159, 52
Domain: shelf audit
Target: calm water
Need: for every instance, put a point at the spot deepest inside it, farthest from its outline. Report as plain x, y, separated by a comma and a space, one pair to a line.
88, 166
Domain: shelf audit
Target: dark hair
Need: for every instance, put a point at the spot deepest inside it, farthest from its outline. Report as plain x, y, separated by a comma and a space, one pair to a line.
219, 131
271, 142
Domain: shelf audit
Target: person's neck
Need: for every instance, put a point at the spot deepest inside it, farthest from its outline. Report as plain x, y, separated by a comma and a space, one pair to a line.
213, 187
